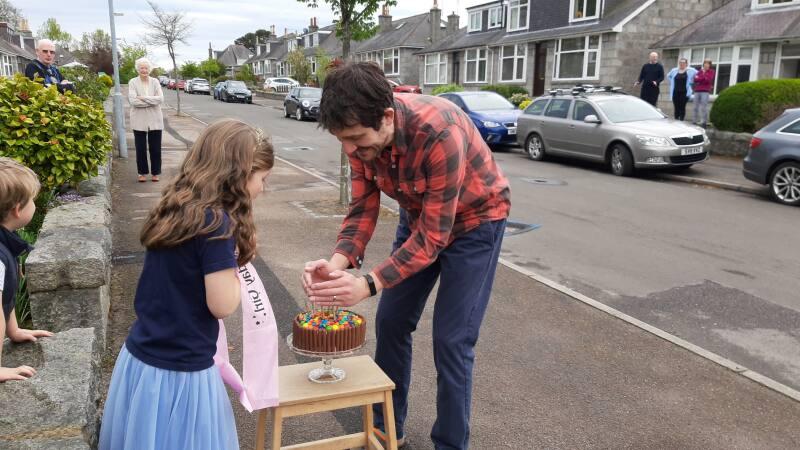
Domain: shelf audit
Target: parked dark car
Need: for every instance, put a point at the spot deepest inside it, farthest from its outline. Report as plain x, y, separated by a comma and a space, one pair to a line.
235, 91
774, 158
217, 89
493, 115
302, 102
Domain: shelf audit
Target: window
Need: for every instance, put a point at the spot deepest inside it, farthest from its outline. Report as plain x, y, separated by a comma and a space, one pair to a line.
475, 69
789, 65
558, 108
7, 67
581, 110
315, 40
436, 68
513, 62
577, 58
313, 62
517, 15
475, 21
584, 9
792, 128
391, 61
537, 108
770, 3
496, 17
733, 64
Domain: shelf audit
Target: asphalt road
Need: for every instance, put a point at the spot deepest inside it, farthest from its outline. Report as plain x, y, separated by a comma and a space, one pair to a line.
717, 268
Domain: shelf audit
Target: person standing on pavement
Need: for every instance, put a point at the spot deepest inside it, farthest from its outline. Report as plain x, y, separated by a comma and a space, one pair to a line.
425, 153
651, 75
44, 68
147, 121
703, 86
681, 79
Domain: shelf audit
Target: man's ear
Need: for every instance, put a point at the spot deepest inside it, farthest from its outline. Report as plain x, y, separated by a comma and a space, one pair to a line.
388, 115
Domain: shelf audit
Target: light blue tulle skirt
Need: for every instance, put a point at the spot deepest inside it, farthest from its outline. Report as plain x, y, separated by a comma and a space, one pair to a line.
152, 409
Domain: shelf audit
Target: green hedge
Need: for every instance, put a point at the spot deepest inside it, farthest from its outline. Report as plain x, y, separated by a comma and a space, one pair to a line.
504, 90
87, 83
447, 88
63, 138
747, 107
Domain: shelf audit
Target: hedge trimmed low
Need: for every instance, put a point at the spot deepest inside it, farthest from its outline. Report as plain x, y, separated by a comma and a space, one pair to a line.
504, 90
63, 138
447, 88
747, 107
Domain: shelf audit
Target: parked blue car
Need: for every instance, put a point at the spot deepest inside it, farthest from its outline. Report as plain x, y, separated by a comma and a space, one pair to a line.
493, 115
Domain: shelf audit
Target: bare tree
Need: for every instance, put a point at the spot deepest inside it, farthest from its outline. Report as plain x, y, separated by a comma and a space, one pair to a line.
167, 29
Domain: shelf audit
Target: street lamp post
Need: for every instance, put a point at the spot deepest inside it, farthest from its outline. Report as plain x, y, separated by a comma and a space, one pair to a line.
119, 115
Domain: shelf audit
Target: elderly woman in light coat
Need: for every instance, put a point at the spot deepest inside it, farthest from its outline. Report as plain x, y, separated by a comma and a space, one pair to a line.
147, 122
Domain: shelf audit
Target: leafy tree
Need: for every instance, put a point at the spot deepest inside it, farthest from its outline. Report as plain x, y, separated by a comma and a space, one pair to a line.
301, 69
9, 13
245, 74
129, 53
354, 21
323, 66
50, 29
95, 50
211, 68
249, 39
168, 29
190, 70
157, 72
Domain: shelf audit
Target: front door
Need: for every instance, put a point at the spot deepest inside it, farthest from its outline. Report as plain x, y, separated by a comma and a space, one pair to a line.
539, 68
456, 67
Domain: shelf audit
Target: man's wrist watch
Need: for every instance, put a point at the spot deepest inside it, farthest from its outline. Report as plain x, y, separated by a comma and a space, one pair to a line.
371, 283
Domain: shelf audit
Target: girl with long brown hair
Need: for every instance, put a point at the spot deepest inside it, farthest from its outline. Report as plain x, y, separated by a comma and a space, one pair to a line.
165, 391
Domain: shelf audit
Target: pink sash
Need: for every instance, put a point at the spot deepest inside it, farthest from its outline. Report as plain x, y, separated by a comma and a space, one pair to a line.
258, 388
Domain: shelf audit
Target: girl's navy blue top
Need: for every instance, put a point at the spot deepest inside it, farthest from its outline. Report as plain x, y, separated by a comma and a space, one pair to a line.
174, 329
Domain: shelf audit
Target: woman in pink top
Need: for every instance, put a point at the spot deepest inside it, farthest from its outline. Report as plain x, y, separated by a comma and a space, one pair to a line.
703, 86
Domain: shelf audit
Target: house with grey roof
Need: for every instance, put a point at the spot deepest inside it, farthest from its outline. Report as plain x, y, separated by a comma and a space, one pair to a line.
543, 44
17, 48
393, 47
233, 57
316, 41
746, 40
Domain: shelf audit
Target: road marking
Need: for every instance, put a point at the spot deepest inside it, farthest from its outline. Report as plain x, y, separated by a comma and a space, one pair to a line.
697, 350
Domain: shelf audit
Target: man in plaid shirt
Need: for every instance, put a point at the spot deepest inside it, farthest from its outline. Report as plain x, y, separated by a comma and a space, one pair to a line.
425, 153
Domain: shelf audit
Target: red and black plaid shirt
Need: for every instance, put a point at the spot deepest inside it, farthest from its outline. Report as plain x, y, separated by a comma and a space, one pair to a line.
440, 171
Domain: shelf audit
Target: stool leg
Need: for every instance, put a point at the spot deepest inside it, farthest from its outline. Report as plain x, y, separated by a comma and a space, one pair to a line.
388, 421
367, 416
261, 431
277, 428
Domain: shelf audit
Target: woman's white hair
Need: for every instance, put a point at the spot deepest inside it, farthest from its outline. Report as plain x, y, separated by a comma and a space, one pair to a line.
143, 62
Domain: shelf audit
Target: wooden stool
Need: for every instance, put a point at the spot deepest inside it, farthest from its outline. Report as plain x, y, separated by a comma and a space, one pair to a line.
364, 385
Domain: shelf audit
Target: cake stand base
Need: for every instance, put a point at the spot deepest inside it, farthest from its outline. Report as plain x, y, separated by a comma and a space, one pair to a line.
327, 373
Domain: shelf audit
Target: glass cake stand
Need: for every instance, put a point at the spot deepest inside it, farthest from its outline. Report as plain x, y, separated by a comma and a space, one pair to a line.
327, 373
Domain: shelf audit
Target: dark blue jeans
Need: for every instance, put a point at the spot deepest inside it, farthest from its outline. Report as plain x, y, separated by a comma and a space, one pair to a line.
465, 270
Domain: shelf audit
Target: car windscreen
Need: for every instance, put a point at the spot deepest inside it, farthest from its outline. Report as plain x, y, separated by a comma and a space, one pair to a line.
310, 93
628, 109
237, 84
486, 102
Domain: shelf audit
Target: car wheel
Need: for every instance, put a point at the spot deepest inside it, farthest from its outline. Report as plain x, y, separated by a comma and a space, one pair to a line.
784, 184
298, 114
621, 161
286, 112
534, 147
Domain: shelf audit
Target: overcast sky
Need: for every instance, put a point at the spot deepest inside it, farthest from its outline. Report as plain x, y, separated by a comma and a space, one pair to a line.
218, 22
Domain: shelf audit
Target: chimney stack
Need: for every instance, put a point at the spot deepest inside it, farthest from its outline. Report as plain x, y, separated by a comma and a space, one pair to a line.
436, 22
272, 30
452, 23
385, 19
313, 28
285, 32
210, 52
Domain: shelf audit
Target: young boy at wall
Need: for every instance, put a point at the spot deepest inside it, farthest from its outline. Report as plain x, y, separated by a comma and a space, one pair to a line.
18, 187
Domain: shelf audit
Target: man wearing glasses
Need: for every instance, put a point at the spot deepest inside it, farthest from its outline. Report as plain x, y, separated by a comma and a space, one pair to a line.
44, 68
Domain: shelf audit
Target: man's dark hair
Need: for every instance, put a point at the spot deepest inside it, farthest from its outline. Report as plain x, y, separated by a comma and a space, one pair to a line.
354, 94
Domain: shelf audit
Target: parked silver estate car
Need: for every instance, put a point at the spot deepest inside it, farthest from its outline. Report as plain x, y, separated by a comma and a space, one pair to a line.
606, 125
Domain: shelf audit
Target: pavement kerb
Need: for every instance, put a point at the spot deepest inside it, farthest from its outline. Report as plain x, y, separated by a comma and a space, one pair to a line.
712, 183
697, 350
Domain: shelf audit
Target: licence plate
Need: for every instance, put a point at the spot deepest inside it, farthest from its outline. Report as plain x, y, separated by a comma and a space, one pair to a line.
691, 150
512, 130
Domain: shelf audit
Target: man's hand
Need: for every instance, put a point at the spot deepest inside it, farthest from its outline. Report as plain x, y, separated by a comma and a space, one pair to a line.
316, 272
342, 289
23, 335
655, 83
16, 373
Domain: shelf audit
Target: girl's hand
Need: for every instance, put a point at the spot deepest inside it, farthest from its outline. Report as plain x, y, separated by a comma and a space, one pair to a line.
23, 335
16, 373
